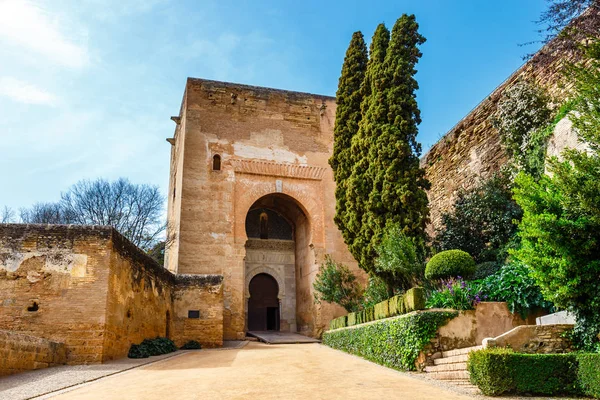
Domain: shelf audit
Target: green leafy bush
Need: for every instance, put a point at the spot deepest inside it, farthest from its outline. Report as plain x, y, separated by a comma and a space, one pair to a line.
514, 285
152, 347
456, 294
481, 220
394, 342
499, 371
589, 373
335, 283
450, 264
485, 269
376, 291
138, 351
399, 262
191, 345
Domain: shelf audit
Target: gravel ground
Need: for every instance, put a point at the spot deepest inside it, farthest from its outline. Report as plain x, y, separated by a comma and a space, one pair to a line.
32, 384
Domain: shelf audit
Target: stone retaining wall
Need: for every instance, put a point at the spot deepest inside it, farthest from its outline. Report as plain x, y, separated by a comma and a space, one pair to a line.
19, 352
535, 339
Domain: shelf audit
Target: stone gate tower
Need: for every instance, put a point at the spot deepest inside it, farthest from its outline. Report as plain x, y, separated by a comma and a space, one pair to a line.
251, 197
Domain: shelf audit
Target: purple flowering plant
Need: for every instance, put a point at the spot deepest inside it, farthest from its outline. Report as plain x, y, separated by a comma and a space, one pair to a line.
457, 294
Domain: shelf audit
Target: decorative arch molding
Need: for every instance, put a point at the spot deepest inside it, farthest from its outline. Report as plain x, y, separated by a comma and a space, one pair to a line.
263, 269
251, 188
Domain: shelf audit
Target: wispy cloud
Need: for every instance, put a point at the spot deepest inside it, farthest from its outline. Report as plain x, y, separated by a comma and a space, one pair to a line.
24, 92
29, 25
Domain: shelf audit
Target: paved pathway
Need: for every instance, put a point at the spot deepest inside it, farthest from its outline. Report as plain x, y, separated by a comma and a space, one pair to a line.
274, 337
260, 371
36, 383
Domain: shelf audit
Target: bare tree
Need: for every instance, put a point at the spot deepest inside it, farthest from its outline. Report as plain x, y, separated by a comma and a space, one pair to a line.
134, 210
43, 213
567, 23
7, 215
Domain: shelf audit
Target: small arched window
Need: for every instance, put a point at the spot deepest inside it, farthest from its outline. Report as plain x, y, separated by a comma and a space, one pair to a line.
216, 162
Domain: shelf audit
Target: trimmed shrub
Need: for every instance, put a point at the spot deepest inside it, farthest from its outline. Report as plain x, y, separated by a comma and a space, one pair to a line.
485, 269
588, 375
382, 310
191, 345
394, 342
498, 371
351, 321
339, 322
450, 264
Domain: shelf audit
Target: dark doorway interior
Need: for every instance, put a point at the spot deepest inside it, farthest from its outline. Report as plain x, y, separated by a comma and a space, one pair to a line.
263, 304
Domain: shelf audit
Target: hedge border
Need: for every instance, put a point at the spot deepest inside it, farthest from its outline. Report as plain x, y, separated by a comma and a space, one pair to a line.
393, 342
498, 371
412, 300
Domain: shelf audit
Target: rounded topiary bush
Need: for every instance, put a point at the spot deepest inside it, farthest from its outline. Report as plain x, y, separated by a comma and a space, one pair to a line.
191, 345
449, 264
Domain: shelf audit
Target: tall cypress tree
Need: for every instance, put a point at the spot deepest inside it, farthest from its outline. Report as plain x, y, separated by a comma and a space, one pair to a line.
347, 118
398, 194
386, 185
359, 184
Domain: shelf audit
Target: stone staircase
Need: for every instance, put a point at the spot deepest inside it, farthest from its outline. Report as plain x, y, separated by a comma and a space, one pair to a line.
451, 367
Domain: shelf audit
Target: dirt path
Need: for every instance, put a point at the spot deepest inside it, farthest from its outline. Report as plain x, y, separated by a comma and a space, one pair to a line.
305, 371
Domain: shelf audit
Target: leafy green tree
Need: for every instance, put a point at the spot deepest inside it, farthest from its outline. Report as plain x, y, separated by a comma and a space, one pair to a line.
376, 292
387, 185
335, 283
399, 263
560, 229
347, 117
481, 221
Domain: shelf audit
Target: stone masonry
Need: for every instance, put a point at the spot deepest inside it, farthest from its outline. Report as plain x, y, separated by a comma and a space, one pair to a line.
89, 289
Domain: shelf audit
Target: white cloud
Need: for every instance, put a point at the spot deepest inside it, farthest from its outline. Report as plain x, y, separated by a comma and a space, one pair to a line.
23, 23
24, 92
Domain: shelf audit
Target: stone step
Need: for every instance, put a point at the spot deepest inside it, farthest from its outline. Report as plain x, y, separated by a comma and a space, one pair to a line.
462, 366
449, 375
457, 352
462, 358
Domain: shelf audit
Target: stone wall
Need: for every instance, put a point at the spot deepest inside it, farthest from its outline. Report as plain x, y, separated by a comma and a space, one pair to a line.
53, 285
535, 339
91, 289
203, 293
470, 328
471, 150
19, 352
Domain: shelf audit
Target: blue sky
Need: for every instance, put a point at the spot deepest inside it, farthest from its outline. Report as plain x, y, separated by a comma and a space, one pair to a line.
87, 86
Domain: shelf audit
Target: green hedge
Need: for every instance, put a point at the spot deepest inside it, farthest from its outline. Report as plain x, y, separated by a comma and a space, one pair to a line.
499, 371
412, 300
394, 342
152, 347
589, 374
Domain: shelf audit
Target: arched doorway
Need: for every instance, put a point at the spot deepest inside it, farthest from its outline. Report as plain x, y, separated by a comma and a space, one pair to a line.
263, 304
278, 244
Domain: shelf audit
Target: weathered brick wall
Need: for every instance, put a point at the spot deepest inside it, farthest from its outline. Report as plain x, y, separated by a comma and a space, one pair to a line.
203, 293
64, 271
139, 298
19, 352
91, 289
471, 150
